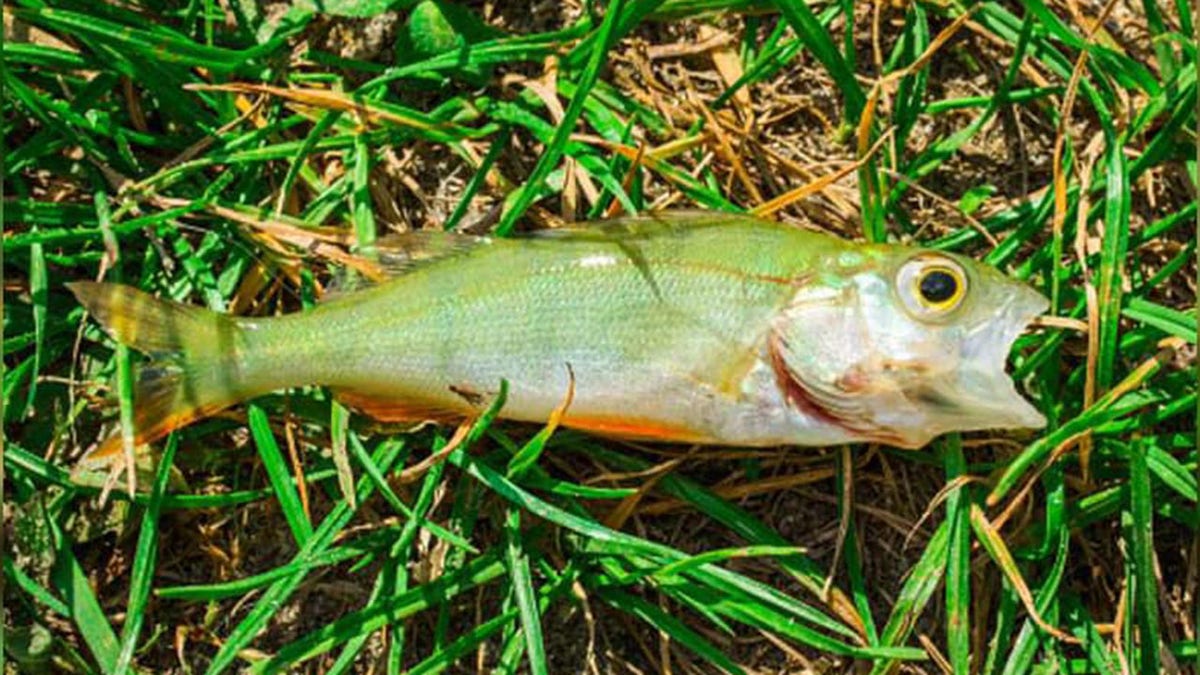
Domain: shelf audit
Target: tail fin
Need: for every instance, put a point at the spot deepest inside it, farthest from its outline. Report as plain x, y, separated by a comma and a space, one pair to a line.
191, 373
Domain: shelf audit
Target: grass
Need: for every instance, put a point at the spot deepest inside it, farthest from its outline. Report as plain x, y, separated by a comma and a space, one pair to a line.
233, 157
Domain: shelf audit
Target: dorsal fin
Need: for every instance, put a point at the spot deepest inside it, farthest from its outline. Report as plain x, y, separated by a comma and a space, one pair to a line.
642, 226
402, 252
627, 233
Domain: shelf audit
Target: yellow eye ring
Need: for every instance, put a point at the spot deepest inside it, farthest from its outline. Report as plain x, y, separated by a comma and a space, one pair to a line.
932, 286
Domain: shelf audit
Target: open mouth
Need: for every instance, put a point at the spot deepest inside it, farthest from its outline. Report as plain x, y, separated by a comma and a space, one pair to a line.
986, 394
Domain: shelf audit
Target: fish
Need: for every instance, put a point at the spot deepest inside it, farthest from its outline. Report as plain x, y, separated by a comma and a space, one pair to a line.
683, 327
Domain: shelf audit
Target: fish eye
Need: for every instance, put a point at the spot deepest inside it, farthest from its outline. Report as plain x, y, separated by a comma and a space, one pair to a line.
931, 286
937, 286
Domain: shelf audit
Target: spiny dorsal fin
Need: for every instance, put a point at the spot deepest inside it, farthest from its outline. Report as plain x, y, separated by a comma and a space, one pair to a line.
402, 253
626, 233
642, 226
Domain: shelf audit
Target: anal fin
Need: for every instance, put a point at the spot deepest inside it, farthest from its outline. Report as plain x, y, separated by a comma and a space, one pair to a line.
399, 408
633, 428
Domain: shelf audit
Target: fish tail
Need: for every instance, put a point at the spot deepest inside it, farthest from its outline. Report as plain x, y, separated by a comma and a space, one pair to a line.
192, 372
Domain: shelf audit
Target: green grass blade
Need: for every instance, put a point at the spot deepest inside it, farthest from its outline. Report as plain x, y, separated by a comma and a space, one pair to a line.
603, 537
373, 543
923, 579
19, 579
818, 41
517, 561
669, 625
476, 573
39, 293
850, 547
445, 657
279, 474
526, 194
801, 567
278, 592
144, 559
385, 490
339, 428
1022, 653
958, 560
1138, 522
1085, 630
88, 616
363, 206
1112, 261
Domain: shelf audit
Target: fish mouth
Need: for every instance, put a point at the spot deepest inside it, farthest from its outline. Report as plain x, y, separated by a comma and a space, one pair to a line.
981, 395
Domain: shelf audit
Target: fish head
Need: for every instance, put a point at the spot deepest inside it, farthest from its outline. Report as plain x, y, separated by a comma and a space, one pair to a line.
899, 345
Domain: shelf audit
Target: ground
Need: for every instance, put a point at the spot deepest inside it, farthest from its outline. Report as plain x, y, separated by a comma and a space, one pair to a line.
991, 552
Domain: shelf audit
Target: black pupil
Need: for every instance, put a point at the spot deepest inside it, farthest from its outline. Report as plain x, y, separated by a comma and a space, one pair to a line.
938, 286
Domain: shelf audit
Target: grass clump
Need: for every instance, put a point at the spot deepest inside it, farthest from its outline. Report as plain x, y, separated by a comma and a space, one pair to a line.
236, 155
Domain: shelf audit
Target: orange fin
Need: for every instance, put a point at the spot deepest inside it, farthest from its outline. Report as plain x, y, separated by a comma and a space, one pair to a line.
399, 409
152, 421
632, 428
